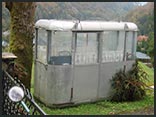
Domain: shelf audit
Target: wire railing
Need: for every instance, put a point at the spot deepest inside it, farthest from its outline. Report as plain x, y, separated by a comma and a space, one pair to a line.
16, 108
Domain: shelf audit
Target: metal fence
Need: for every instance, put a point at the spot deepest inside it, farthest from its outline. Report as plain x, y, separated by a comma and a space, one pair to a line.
16, 108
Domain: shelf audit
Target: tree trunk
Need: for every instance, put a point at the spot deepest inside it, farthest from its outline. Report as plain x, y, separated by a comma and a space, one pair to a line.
21, 36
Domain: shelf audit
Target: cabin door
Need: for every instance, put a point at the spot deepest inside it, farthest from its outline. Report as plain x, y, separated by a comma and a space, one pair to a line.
85, 83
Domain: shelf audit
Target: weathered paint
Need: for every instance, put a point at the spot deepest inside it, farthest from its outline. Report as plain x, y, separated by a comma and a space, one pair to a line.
85, 82
64, 25
53, 83
74, 83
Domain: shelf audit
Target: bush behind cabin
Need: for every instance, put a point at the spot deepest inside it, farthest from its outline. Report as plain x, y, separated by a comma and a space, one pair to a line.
129, 86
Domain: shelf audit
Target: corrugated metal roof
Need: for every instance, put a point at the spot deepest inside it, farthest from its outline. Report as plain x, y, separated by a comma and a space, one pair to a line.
84, 25
141, 55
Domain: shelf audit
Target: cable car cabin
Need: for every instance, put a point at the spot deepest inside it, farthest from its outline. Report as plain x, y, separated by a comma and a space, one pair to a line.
74, 61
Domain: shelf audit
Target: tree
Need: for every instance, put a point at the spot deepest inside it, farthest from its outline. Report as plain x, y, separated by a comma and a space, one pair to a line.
21, 35
150, 49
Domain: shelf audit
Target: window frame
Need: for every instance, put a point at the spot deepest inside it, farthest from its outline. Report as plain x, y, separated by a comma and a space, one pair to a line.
133, 48
50, 47
36, 41
98, 35
118, 43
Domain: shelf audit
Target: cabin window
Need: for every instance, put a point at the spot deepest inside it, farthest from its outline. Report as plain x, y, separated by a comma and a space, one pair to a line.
129, 45
113, 46
60, 48
86, 48
42, 45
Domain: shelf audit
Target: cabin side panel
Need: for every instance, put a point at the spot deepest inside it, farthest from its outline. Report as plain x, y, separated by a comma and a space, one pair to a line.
107, 70
40, 81
85, 83
59, 84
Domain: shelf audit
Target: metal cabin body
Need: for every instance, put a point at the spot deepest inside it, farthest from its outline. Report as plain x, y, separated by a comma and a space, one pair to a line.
74, 61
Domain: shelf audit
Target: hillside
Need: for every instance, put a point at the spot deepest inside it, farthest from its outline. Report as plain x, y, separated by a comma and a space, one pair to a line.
82, 10
76, 10
143, 16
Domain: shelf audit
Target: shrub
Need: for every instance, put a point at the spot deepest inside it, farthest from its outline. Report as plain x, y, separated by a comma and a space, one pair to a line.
129, 86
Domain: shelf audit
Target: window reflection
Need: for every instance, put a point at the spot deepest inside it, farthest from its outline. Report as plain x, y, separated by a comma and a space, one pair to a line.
86, 48
42, 45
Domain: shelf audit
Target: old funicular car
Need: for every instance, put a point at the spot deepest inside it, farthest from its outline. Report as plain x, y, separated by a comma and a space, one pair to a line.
74, 61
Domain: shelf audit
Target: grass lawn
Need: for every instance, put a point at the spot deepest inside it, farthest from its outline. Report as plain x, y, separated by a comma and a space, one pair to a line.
150, 72
101, 108
106, 107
